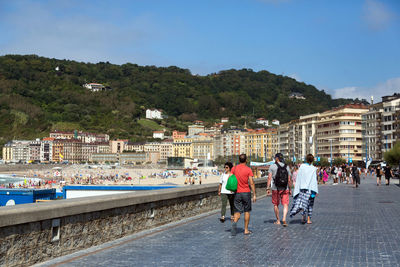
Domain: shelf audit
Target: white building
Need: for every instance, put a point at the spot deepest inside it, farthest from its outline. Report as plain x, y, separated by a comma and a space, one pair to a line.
94, 87
153, 114
46, 151
275, 122
195, 129
262, 121
158, 134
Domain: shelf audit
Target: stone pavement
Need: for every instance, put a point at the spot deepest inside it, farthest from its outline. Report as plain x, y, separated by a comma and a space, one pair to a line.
351, 227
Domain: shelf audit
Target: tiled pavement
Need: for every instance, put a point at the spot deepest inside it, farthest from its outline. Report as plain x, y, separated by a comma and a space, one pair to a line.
351, 227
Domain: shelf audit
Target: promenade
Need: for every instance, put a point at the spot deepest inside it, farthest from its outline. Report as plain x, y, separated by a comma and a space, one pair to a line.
351, 227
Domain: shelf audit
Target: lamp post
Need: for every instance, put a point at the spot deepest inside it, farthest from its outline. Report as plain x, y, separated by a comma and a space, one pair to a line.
331, 151
386, 145
348, 152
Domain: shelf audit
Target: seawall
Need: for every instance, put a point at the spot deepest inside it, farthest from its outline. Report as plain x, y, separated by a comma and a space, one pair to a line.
32, 233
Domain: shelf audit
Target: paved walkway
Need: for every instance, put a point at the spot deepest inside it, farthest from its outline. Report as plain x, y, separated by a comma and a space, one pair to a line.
351, 227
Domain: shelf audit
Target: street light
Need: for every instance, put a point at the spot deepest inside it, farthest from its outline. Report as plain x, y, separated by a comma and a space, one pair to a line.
331, 151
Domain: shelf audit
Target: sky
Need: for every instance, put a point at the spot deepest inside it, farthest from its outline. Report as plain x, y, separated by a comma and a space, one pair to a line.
347, 48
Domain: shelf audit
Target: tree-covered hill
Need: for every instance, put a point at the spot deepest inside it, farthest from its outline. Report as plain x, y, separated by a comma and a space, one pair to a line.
39, 94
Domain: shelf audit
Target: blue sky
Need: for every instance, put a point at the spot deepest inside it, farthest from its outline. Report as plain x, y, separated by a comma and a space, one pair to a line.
347, 48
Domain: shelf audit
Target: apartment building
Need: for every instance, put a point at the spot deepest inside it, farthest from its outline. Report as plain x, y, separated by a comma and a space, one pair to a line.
283, 139
339, 132
203, 147
118, 146
233, 142
372, 134
178, 135
166, 149
17, 150
58, 149
85, 137
46, 151
182, 147
262, 143
381, 127
391, 106
135, 146
195, 129
306, 135
34, 150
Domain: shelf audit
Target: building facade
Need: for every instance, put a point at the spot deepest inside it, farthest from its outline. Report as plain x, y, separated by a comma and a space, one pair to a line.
339, 132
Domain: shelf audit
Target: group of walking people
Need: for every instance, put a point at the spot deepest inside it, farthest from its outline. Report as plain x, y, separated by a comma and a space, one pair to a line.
349, 174
279, 186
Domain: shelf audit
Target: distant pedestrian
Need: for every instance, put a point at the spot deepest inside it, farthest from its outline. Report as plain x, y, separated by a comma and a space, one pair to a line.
294, 175
378, 175
242, 201
333, 174
279, 180
355, 173
305, 190
388, 174
325, 176
225, 194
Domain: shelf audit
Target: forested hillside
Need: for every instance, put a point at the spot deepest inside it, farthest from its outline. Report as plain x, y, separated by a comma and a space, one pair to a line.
40, 94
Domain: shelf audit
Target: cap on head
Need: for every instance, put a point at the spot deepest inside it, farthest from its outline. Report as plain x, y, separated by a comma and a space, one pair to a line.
279, 156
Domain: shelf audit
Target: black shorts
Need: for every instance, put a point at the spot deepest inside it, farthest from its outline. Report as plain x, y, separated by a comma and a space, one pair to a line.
242, 202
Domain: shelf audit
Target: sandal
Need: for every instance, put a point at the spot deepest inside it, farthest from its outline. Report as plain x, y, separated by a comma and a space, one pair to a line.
277, 222
284, 223
249, 233
222, 219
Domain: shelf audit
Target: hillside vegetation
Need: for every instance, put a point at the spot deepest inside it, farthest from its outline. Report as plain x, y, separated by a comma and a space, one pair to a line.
36, 98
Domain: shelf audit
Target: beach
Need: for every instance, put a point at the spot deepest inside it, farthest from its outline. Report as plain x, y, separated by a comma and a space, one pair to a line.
56, 177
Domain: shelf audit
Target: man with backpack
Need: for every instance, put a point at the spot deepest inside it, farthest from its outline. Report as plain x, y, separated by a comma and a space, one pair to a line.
355, 172
279, 180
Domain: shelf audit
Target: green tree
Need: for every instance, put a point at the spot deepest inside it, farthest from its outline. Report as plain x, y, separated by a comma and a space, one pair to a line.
392, 157
339, 161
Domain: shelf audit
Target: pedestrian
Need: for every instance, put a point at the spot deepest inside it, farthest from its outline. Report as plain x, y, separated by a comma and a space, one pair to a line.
343, 173
242, 201
388, 174
225, 194
325, 176
279, 180
378, 175
355, 173
305, 190
294, 175
348, 174
333, 174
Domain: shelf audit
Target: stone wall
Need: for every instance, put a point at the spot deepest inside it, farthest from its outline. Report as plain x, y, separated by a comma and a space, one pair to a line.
33, 233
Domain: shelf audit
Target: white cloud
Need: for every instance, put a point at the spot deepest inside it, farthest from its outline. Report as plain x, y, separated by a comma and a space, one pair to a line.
377, 15
347, 92
388, 87
40, 30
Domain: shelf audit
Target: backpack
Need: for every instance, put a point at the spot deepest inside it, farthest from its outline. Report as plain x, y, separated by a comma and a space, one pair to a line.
355, 172
232, 183
281, 179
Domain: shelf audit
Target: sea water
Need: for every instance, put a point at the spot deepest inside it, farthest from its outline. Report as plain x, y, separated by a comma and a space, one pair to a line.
6, 179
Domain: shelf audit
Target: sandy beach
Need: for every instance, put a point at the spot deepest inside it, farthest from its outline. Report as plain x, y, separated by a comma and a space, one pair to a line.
104, 175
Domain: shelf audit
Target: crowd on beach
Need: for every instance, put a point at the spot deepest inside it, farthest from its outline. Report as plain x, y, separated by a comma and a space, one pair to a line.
81, 175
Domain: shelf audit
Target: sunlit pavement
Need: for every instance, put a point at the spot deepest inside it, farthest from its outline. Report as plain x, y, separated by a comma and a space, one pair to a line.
351, 227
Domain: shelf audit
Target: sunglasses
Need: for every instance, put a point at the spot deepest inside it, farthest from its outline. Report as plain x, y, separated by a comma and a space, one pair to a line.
226, 167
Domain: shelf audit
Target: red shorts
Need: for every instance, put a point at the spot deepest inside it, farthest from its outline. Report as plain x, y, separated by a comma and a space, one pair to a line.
281, 196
